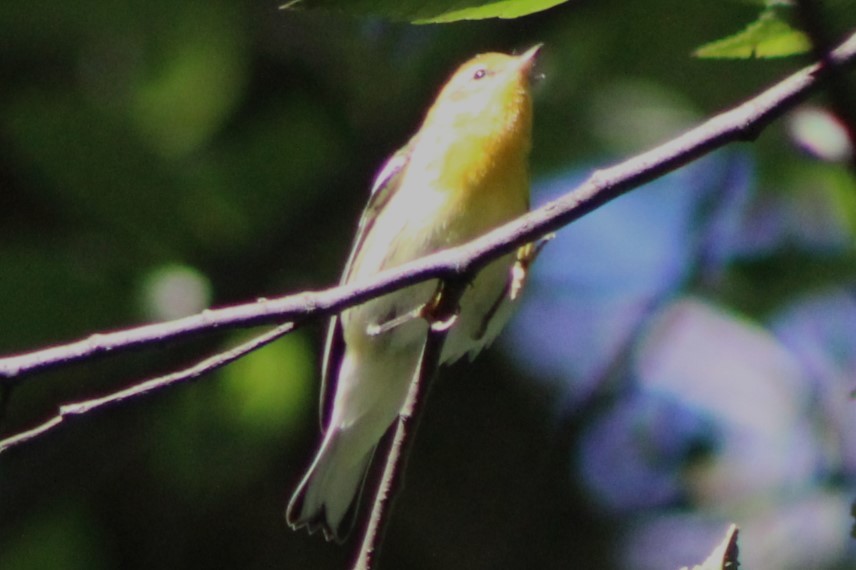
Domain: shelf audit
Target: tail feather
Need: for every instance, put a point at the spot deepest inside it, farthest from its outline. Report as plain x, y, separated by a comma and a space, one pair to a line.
327, 498
370, 390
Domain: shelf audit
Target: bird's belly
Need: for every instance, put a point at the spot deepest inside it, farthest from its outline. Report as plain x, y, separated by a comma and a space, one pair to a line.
404, 232
383, 323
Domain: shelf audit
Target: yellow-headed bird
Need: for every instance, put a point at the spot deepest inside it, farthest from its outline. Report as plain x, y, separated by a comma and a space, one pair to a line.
465, 172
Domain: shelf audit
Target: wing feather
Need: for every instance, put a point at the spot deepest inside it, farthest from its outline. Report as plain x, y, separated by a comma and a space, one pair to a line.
385, 184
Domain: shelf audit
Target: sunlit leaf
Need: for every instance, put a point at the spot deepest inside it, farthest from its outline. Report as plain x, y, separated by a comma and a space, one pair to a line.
768, 36
421, 12
503, 9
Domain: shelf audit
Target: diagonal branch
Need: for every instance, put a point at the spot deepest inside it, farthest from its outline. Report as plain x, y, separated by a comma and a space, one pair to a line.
408, 421
191, 373
744, 122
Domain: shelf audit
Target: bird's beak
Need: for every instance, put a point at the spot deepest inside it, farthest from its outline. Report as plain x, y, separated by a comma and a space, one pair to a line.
528, 58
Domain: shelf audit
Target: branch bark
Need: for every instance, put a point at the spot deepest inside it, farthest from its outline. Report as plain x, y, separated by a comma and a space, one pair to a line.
744, 122
141, 388
408, 421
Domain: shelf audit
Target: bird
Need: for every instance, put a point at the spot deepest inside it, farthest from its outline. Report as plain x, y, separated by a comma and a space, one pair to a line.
464, 173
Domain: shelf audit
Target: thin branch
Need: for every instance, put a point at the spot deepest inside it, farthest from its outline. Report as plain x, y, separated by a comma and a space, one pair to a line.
743, 122
726, 554
408, 422
203, 367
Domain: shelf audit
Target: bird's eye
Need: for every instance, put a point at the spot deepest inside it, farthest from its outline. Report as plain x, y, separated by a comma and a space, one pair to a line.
480, 72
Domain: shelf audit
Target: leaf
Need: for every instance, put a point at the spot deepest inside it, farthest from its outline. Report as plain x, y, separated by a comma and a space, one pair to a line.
502, 9
768, 36
420, 12
724, 556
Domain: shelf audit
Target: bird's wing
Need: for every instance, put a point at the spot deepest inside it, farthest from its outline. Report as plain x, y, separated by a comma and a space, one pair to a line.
385, 184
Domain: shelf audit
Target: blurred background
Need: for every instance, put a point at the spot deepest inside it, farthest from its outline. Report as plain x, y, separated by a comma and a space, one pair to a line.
683, 357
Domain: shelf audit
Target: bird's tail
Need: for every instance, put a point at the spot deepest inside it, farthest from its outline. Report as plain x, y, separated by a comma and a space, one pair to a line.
328, 496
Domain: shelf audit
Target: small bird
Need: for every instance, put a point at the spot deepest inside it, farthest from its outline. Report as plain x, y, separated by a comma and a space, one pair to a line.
464, 173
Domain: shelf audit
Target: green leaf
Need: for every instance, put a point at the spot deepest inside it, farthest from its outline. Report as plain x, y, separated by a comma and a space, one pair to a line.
768, 36
503, 9
421, 12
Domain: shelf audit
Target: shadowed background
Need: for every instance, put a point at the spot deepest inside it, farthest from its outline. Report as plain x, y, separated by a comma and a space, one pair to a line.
682, 359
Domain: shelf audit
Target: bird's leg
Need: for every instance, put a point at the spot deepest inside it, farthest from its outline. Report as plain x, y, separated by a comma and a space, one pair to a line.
440, 316
386, 326
433, 311
525, 258
517, 279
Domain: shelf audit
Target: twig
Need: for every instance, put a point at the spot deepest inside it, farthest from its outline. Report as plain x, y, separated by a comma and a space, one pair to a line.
208, 365
741, 123
405, 430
